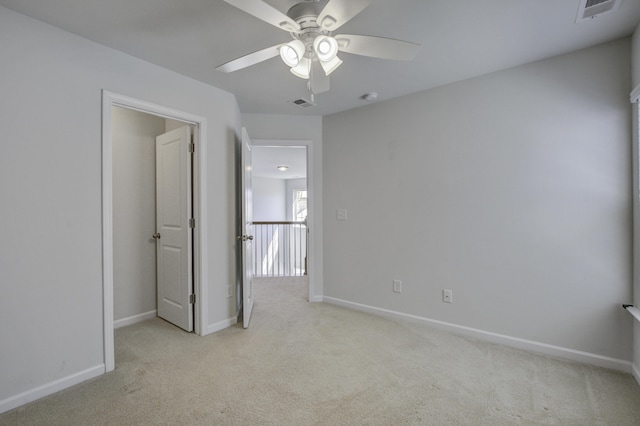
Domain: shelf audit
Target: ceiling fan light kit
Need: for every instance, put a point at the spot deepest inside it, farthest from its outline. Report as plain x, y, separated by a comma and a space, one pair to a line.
303, 70
292, 53
296, 55
311, 24
326, 47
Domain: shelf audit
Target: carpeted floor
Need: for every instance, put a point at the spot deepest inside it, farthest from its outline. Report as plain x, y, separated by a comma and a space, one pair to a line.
318, 364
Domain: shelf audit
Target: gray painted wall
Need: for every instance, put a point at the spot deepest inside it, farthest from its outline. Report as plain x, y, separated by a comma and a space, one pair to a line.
268, 199
510, 189
50, 185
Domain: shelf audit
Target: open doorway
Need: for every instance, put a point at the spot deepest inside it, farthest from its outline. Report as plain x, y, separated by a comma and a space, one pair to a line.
280, 215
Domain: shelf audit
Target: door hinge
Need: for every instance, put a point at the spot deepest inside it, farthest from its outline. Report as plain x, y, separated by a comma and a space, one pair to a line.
192, 147
192, 299
192, 223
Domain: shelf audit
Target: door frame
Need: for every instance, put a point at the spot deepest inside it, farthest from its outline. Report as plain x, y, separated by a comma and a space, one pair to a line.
311, 220
199, 190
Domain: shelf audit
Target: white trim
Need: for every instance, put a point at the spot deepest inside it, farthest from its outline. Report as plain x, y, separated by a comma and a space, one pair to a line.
636, 372
313, 193
110, 99
107, 233
134, 319
635, 94
316, 299
201, 266
514, 342
221, 325
50, 388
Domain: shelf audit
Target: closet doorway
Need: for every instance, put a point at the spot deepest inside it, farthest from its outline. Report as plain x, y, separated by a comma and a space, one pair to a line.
152, 206
162, 118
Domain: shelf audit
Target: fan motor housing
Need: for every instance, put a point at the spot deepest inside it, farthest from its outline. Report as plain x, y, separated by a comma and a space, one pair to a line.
306, 13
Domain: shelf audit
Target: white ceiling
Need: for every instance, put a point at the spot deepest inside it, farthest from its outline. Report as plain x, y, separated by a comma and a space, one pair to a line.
460, 38
265, 161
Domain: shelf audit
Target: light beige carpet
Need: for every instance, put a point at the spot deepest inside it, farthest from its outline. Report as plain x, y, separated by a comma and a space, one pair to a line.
317, 364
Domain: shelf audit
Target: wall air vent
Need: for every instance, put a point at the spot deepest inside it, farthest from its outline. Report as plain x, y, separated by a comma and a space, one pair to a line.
303, 103
590, 9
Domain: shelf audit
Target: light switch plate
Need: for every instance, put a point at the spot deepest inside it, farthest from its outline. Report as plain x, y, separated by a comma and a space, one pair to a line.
341, 214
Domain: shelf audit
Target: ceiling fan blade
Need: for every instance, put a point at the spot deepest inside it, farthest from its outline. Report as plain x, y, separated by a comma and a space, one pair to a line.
337, 12
267, 13
377, 47
318, 80
250, 59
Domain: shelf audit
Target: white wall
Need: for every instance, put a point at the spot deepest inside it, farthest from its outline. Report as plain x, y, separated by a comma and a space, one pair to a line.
635, 79
300, 128
268, 199
50, 186
510, 189
273, 198
134, 211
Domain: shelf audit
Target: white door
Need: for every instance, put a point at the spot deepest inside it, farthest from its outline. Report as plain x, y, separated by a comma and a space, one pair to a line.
247, 230
173, 234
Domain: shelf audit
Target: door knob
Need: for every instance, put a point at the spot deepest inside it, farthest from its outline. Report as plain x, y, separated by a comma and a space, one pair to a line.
156, 236
245, 237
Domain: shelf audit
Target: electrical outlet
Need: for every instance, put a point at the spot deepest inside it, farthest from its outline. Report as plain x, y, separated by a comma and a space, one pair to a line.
397, 286
447, 296
229, 291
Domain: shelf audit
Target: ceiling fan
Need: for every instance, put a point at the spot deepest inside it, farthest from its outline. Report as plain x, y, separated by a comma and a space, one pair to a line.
313, 53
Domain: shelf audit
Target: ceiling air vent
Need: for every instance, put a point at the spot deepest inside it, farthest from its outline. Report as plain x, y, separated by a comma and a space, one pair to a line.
589, 9
303, 103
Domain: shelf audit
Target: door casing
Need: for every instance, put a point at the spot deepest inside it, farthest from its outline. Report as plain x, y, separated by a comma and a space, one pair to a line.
200, 270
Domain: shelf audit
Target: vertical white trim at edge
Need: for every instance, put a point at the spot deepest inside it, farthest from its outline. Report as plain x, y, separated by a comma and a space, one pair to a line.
200, 209
107, 232
636, 373
110, 99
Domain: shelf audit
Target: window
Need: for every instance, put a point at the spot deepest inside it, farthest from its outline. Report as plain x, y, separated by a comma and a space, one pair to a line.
299, 205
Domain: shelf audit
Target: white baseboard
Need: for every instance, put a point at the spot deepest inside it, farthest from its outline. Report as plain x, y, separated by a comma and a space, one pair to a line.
635, 372
212, 328
514, 342
135, 319
50, 388
316, 299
